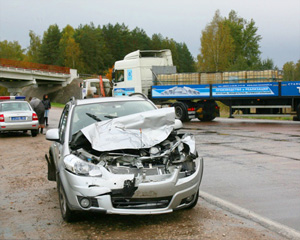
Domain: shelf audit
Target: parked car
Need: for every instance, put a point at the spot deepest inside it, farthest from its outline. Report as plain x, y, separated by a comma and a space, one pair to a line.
17, 115
122, 155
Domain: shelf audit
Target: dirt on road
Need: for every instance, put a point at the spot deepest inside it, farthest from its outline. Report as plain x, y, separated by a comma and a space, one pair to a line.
29, 207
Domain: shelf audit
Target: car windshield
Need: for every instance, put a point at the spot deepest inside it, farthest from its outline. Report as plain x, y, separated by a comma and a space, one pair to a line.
87, 114
14, 106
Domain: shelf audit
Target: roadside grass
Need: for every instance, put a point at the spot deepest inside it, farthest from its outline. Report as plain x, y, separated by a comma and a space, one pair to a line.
224, 113
59, 105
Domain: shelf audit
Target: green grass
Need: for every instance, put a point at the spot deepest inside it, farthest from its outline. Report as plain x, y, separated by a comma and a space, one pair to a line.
59, 105
271, 118
224, 113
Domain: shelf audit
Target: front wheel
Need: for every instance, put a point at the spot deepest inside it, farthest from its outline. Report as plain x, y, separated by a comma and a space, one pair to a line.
195, 201
67, 214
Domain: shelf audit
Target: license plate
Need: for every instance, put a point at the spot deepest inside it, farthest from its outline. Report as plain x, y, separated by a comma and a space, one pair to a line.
18, 118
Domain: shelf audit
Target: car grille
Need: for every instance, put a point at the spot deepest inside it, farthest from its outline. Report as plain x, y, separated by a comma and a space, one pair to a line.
141, 203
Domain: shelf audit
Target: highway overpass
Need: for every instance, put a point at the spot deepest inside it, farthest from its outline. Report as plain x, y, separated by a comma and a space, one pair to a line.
14, 75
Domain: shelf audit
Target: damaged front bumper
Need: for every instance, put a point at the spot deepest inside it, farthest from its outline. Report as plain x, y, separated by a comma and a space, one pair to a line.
132, 193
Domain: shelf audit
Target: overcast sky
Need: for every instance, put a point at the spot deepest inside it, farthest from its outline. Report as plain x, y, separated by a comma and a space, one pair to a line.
278, 21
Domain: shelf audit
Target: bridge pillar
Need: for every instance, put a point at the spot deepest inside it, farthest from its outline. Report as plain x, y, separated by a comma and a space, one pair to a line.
15, 87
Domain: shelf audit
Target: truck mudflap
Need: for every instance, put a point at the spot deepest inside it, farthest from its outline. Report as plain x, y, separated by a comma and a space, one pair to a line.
51, 168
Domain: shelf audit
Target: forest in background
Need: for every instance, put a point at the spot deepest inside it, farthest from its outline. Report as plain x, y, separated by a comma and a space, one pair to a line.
93, 50
226, 44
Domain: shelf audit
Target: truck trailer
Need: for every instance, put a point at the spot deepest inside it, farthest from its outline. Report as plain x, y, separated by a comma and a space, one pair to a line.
194, 95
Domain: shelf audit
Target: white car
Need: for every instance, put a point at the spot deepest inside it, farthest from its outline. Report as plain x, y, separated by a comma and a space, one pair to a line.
17, 115
122, 155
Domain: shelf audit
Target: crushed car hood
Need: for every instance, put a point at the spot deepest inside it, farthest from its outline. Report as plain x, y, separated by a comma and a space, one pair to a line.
136, 131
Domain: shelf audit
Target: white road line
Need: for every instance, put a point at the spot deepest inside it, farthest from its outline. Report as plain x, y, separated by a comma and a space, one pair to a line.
242, 212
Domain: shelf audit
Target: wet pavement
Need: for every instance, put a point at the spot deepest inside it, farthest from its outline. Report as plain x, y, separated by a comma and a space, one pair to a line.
254, 164
29, 206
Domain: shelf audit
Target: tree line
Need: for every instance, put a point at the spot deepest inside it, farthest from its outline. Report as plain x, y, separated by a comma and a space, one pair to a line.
227, 44
93, 50
233, 44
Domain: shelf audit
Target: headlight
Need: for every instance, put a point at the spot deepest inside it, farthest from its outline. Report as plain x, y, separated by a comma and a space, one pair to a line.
80, 167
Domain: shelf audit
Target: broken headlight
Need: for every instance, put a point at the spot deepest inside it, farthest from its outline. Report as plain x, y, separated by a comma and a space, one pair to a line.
80, 167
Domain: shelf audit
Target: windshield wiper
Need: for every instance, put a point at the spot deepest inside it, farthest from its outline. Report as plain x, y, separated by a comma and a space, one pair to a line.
110, 116
94, 117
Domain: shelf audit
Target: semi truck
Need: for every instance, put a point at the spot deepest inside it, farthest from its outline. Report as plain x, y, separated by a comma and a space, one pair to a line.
195, 95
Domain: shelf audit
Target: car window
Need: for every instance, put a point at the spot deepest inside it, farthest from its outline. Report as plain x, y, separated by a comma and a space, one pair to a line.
87, 114
14, 106
63, 123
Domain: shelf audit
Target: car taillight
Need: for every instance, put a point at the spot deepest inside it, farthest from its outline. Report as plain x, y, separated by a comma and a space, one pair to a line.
1, 117
191, 109
34, 117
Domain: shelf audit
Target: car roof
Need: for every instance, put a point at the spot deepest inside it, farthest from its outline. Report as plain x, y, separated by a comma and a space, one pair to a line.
109, 99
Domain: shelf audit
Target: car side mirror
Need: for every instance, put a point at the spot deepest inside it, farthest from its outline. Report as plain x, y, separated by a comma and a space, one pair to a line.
53, 135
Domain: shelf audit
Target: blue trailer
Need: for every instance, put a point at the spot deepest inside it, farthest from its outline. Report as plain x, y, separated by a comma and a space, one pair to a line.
248, 99
194, 95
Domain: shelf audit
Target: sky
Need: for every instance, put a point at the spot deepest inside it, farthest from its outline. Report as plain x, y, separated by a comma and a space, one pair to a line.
278, 21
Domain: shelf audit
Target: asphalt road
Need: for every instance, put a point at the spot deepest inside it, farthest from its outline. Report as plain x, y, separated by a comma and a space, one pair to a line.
254, 164
29, 205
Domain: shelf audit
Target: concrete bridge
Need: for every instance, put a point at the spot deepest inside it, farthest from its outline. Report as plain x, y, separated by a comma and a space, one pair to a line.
14, 75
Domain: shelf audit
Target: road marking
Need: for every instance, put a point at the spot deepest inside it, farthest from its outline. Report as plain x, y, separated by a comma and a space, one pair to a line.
242, 212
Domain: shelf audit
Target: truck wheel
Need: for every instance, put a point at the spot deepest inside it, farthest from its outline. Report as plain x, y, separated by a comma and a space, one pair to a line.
298, 112
206, 118
181, 111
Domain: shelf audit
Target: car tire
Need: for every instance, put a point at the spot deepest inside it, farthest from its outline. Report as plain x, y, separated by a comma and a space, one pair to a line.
67, 214
194, 203
34, 132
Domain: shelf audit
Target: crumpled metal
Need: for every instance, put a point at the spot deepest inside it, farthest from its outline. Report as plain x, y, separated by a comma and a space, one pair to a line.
135, 131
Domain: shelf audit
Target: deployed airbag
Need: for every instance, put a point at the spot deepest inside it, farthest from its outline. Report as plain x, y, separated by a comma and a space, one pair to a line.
136, 131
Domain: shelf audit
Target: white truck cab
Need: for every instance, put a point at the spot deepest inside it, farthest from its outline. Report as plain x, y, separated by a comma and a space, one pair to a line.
92, 88
135, 73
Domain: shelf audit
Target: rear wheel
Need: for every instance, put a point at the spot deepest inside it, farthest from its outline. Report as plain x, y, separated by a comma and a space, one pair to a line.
298, 113
67, 214
206, 118
181, 112
34, 132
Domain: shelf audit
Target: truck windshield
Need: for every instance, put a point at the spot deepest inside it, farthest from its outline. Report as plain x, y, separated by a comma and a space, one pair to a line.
119, 76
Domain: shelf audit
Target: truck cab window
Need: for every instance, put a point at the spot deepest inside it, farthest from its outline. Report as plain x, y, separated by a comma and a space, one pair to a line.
119, 76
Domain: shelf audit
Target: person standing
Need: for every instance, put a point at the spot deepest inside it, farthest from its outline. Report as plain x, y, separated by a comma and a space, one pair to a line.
47, 104
39, 108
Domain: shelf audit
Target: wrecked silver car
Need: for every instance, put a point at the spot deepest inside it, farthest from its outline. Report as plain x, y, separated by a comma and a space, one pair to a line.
122, 155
